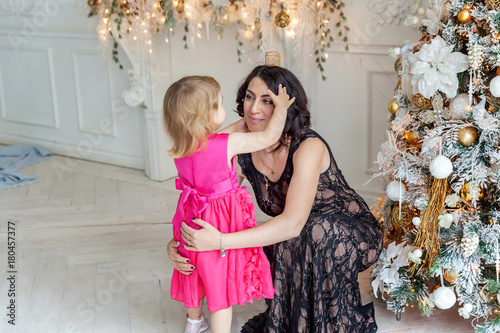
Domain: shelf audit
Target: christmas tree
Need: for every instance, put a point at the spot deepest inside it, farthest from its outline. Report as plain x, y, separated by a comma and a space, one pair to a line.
441, 216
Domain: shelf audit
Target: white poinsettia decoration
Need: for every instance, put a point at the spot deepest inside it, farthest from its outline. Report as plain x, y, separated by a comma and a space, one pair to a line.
388, 264
433, 18
435, 67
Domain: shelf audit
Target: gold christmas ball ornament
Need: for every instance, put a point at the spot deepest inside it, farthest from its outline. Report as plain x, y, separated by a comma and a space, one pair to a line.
467, 136
421, 102
464, 15
406, 215
411, 137
282, 20
466, 193
493, 4
393, 106
498, 71
450, 276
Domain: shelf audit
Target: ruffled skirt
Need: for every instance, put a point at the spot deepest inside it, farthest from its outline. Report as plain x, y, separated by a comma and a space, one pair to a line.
237, 278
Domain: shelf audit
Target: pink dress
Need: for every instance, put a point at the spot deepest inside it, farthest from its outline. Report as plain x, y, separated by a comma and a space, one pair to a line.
210, 192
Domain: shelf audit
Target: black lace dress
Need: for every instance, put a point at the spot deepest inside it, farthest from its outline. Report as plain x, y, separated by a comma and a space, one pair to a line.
315, 274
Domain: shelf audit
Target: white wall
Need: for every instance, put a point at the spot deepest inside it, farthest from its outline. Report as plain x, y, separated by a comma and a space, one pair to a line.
57, 91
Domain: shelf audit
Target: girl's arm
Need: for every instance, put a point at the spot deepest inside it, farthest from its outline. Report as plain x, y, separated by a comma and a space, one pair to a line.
237, 126
310, 159
240, 143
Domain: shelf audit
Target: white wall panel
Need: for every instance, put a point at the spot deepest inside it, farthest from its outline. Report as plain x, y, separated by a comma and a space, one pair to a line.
93, 97
29, 99
381, 84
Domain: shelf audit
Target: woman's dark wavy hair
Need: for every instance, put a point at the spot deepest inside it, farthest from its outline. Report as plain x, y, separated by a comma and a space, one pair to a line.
298, 118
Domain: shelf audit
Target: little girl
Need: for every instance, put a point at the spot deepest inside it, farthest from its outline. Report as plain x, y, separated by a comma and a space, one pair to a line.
206, 163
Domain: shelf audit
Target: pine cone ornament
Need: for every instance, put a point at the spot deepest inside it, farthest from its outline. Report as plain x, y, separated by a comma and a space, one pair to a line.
469, 244
476, 56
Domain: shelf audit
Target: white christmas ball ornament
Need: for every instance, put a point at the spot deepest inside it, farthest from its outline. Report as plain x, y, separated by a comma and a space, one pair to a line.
460, 106
416, 221
441, 167
468, 307
395, 190
495, 86
418, 252
444, 298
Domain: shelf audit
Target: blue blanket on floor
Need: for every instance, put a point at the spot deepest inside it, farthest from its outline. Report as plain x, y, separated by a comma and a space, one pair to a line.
13, 158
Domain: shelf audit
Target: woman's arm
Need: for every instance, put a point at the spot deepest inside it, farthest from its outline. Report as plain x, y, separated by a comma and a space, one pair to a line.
310, 159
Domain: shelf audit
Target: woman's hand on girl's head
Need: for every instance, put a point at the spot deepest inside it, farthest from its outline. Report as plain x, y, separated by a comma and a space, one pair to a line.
205, 239
179, 262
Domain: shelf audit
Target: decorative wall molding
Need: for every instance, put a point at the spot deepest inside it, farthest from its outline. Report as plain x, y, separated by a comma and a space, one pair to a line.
373, 112
391, 11
105, 130
20, 7
52, 84
50, 32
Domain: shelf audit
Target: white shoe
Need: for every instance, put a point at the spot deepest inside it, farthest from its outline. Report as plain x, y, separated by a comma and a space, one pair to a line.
196, 326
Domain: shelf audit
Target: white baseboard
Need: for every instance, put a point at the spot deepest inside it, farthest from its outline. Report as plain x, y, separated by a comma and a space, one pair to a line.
71, 149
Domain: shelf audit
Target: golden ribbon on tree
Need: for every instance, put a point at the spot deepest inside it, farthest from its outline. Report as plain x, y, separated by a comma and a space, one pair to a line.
428, 231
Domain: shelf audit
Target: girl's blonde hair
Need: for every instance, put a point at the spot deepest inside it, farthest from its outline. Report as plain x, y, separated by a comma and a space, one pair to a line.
188, 107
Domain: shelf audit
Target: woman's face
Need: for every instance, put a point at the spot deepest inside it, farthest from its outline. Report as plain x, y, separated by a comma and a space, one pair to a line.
257, 106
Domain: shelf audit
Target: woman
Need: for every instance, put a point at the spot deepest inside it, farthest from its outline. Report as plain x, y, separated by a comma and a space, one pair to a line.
323, 232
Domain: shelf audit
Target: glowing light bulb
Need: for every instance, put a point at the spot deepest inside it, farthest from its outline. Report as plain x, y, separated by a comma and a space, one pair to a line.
150, 51
166, 40
135, 37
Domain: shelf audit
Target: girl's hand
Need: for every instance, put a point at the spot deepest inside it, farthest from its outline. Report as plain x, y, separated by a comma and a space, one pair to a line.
205, 239
179, 262
282, 100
